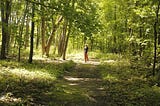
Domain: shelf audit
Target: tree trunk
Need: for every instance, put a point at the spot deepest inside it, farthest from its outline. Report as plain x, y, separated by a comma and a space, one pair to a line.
43, 35
21, 32
155, 39
66, 42
5, 12
26, 37
48, 45
38, 37
115, 28
140, 45
62, 40
32, 35
8, 12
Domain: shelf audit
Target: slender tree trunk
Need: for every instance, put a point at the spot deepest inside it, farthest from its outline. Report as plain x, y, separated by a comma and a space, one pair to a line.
155, 38
38, 38
32, 35
26, 37
61, 41
43, 35
48, 45
12, 36
65, 40
115, 28
66, 43
140, 45
8, 12
159, 35
21, 32
43, 28
69, 30
56, 44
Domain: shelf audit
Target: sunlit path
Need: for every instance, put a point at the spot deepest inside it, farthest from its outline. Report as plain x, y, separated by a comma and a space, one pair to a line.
87, 78
79, 58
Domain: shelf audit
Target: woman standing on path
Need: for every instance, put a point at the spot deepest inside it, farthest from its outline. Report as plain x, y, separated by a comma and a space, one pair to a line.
86, 53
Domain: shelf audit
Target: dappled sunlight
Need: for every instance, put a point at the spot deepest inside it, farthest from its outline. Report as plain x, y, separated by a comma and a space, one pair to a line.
23, 73
96, 81
109, 61
79, 58
48, 60
70, 78
73, 84
9, 98
110, 78
156, 89
75, 57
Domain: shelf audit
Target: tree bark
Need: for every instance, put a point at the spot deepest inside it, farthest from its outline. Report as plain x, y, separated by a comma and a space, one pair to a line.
68, 27
5, 13
43, 35
155, 39
8, 12
32, 35
66, 41
48, 45
26, 37
21, 32
38, 37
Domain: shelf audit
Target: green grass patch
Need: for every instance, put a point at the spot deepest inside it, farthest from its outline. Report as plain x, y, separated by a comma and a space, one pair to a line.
33, 84
127, 84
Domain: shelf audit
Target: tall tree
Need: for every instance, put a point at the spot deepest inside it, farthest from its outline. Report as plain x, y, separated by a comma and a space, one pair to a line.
5, 13
155, 37
32, 34
20, 40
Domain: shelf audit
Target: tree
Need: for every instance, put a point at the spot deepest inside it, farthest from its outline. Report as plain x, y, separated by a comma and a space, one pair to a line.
5, 13
20, 39
155, 37
32, 35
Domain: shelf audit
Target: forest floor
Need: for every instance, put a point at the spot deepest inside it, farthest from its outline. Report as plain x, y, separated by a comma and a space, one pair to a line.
115, 81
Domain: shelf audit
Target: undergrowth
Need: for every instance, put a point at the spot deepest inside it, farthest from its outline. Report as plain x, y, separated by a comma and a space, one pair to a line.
127, 83
34, 84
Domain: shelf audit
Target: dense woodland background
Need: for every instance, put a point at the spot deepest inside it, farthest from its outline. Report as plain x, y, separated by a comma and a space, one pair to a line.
53, 29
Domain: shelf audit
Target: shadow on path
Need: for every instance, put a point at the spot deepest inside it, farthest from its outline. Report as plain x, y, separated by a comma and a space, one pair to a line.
87, 78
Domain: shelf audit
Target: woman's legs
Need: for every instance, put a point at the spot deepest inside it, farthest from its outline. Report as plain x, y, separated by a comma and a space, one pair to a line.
86, 57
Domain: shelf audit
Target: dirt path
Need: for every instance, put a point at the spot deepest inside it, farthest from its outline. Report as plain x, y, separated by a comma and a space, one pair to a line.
87, 78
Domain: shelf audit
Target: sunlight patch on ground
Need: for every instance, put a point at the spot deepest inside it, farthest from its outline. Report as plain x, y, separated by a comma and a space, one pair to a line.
77, 58
31, 75
70, 78
8, 98
49, 60
109, 61
73, 84
110, 78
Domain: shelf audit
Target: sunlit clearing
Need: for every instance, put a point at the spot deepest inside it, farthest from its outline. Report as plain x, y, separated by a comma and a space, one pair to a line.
76, 56
31, 75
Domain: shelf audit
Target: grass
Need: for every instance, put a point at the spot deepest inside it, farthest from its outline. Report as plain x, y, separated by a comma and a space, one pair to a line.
41, 83
33, 84
128, 85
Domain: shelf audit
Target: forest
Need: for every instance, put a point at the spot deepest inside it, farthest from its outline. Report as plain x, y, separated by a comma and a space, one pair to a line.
42, 53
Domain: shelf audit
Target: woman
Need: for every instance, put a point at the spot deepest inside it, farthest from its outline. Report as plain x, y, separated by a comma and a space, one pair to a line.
86, 53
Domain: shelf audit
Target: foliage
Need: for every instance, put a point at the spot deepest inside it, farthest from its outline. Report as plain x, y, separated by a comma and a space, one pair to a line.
120, 35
